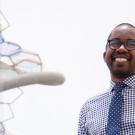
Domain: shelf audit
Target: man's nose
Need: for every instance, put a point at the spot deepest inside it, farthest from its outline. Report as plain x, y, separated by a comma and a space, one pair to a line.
122, 49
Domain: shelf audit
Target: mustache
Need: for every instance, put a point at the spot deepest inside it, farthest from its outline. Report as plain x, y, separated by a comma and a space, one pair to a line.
124, 55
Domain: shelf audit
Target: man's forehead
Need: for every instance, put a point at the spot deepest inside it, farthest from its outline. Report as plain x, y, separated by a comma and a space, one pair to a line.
123, 31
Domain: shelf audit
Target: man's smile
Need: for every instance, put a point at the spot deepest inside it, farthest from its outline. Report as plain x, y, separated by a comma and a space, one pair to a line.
120, 58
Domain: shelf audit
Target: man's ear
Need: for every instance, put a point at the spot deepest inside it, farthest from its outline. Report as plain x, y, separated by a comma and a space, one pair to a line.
104, 54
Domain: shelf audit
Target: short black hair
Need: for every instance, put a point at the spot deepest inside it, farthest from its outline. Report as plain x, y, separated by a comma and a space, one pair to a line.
128, 24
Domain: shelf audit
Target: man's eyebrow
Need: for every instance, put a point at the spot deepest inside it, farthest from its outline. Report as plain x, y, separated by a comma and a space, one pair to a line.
120, 39
114, 39
131, 39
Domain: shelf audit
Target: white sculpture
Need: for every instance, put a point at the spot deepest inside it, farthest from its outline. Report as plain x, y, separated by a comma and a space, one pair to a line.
20, 68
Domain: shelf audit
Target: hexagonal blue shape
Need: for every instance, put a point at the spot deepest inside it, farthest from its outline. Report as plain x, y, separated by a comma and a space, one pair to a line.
27, 62
9, 49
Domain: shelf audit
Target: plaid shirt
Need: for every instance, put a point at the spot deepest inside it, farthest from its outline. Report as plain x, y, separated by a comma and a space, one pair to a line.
94, 113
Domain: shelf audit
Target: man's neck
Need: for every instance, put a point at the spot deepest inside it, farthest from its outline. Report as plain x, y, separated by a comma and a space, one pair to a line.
117, 80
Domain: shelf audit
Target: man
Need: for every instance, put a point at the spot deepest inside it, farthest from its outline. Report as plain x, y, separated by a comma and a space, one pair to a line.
113, 113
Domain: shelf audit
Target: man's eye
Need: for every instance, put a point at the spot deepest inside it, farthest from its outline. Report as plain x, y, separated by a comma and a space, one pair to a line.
131, 43
114, 43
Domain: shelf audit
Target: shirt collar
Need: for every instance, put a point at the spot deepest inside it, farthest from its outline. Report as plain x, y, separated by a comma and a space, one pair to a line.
130, 81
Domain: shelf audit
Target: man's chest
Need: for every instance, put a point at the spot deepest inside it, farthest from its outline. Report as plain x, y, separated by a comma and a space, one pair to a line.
96, 120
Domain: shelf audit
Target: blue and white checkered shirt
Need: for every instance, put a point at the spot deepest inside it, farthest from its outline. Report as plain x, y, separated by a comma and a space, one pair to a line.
94, 113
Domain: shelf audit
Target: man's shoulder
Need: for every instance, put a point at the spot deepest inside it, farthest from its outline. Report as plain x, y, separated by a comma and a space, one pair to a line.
96, 100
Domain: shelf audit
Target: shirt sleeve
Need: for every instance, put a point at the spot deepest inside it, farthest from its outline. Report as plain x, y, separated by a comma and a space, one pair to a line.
82, 129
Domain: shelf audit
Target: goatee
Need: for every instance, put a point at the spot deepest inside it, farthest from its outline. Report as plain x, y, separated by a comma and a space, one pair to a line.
121, 75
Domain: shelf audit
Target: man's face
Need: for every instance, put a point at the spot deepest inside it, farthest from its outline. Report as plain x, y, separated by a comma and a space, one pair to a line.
121, 62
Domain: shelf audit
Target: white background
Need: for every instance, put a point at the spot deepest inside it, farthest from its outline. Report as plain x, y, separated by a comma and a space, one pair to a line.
70, 36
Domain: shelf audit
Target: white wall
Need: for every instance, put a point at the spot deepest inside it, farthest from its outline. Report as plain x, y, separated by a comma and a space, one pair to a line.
70, 36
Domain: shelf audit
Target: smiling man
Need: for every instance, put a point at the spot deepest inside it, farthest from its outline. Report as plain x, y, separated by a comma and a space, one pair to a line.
113, 112
120, 52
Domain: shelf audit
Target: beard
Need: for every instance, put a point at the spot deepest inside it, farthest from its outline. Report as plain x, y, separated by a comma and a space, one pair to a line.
120, 71
121, 74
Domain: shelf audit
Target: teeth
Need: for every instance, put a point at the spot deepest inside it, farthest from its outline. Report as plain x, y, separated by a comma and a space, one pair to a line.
120, 59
